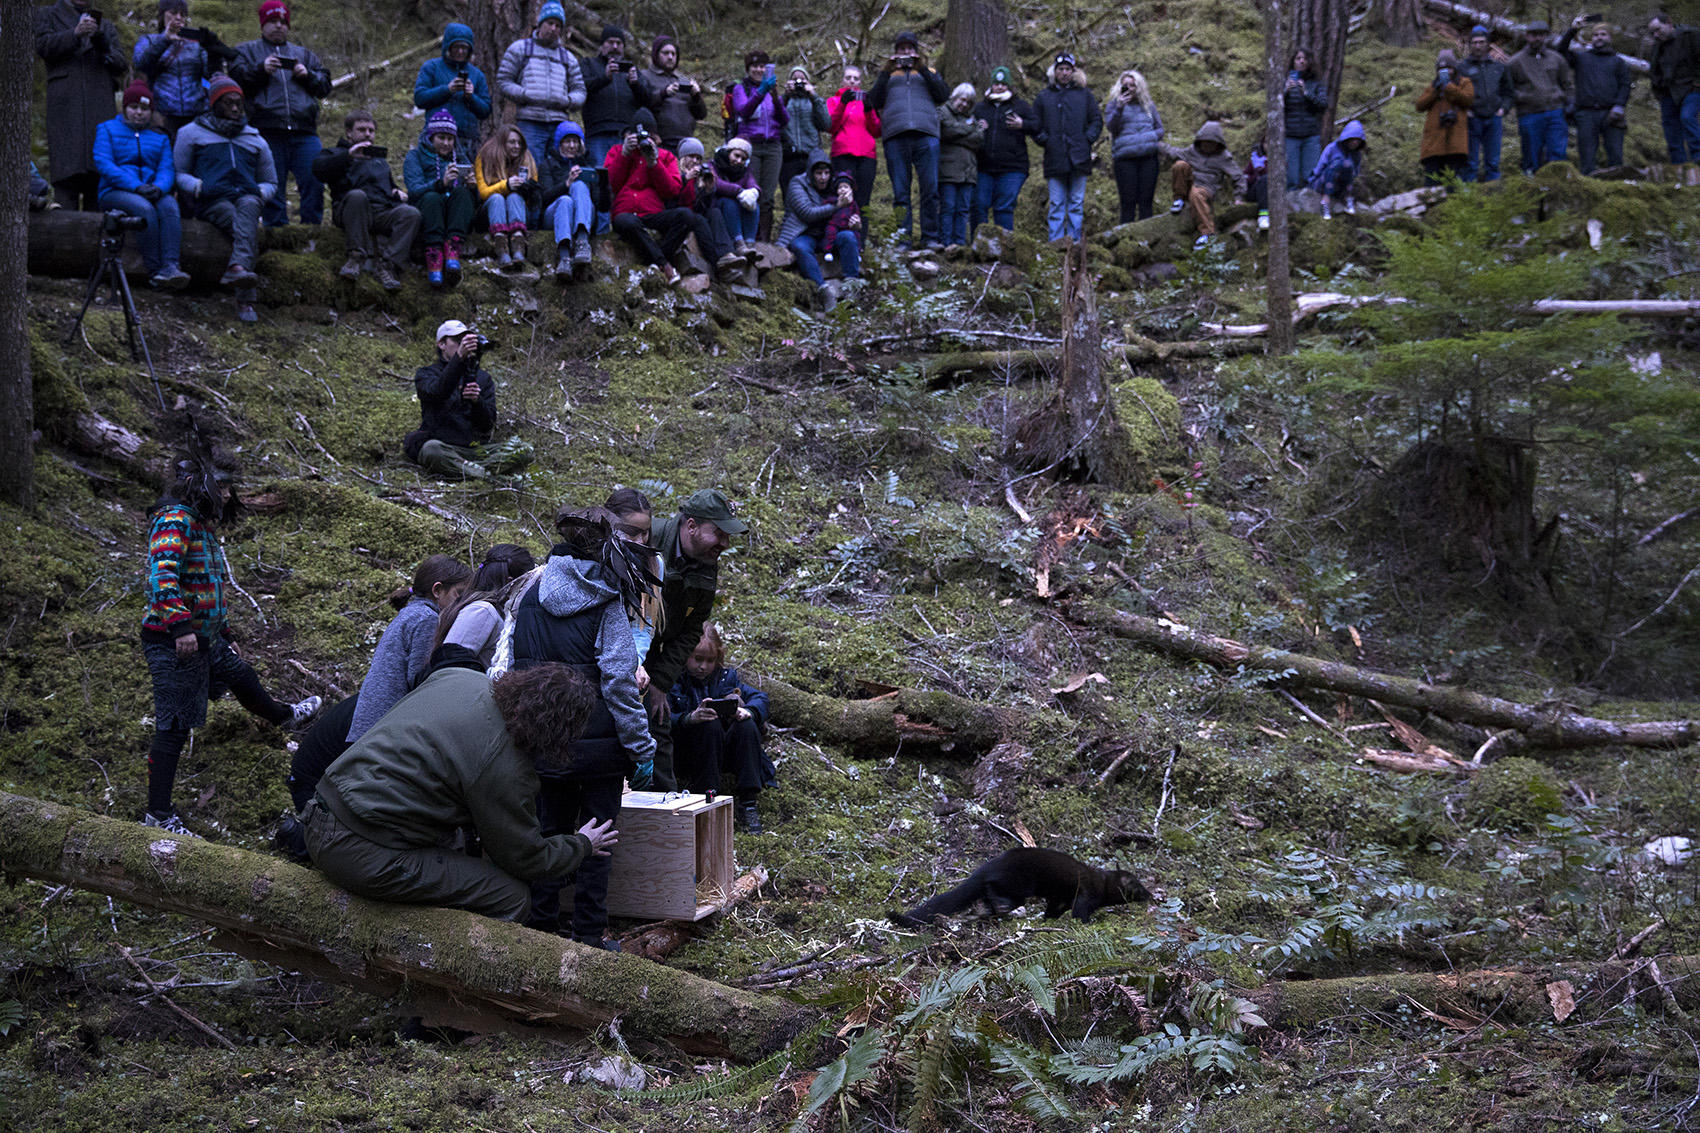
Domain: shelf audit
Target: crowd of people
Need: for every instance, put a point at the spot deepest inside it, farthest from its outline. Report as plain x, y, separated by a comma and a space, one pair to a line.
482, 762
600, 143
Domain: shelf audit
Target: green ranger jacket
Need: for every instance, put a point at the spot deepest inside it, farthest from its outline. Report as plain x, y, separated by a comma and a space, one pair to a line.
687, 598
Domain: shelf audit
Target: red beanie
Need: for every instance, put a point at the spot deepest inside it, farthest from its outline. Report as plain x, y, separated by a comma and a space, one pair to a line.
272, 9
137, 92
221, 86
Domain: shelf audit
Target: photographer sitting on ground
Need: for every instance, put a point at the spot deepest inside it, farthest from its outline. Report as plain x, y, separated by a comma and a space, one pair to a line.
698, 192
457, 409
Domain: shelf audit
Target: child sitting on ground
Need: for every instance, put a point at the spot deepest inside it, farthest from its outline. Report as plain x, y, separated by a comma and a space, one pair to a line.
848, 218
718, 721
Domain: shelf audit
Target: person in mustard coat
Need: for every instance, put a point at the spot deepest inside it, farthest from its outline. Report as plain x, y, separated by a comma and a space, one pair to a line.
1446, 130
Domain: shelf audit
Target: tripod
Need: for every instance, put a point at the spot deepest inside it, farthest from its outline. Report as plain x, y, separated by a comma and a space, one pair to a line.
109, 271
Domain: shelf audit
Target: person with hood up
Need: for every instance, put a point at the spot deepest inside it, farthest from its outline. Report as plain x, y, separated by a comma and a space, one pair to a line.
224, 169
440, 186
1602, 93
1304, 100
675, 100
578, 614
137, 177
759, 117
283, 83
85, 67
175, 66
1675, 71
1200, 172
1337, 171
907, 96
366, 202
568, 206
855, 135
1446, 130
810, 203
541, 78
450, 82
806, 126
1491, 80
1136, 130
1067, 123
1546, 94
960, 135
1006, 120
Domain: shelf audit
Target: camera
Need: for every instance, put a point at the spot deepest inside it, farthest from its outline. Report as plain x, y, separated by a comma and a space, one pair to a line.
907, 62
644, 141
116, 221
1448, 116
375, 151
476, 342
624, 64
852, 96
798, 86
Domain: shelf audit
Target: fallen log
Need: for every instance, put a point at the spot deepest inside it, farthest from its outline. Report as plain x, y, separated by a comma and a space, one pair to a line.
1545, 725
1642, 308
66, 244
456, 967
1512, 27
917, 722
1462, 1000
382, 65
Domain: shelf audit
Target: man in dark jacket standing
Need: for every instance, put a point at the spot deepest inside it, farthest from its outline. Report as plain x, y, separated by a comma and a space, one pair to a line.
366, 202
1546, 93
1068, 123
1006, 120
1675, 68
457, 409
85, 65
1491, 81
284, 83
690, 545
907, 97
1602, 93
612, 94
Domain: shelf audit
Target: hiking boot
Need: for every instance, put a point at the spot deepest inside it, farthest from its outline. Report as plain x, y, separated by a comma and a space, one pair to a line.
472, 470
1351, 206
563, 262
303, 710
729, 262
245, 313
168, 822
1176, 206
434, 265
504, 258
747, 817
291, 839
516, 246
670, 274
387, 277
237, 276
171, 278
581, 247
827, 296
352, 267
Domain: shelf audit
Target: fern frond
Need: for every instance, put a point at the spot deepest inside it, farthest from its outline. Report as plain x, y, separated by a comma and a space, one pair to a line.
1032, 1076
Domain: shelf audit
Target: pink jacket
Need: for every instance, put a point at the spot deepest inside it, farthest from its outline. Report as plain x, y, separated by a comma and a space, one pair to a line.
854, 126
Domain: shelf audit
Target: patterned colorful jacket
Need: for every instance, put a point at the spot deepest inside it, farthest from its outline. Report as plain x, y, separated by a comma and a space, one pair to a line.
185, 574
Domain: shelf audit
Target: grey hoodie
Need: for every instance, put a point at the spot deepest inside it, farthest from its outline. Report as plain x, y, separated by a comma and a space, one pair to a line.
571, 586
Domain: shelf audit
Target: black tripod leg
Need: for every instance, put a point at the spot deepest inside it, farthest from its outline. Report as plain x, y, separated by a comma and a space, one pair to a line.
95, 278
133, 324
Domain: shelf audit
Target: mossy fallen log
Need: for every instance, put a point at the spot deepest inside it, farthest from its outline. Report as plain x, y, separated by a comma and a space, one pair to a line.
1551, 725
917, 722
456, 967
64, 243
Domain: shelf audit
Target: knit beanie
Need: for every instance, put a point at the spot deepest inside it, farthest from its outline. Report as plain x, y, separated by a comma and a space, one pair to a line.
613, 31
655, 47
221, 86
907, 39
740, 144
643, 117
137, 93
757, 58
551, 11
273, 9
1001, 75
690, 147
441, 122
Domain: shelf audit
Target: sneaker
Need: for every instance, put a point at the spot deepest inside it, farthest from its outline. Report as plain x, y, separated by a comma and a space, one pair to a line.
169, 279
352, 267
581, 247
932, 246
245, 313
387, 277
1327, 211
168, 822
827, 296
1263, 220
303, 710
1176, 206
1203, 241
729, 261
1351, 206
670, 274
237, 276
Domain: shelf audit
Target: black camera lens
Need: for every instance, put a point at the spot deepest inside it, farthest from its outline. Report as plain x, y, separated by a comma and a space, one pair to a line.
118, 221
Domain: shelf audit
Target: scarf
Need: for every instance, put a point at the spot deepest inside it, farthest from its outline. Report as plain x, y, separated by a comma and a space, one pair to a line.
223, 127
1004, 97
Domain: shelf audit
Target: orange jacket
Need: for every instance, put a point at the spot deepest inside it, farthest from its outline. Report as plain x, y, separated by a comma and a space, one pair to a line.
1439, 140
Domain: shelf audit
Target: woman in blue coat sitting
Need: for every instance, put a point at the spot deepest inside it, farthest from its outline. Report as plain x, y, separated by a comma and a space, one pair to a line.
136, 177
718, 722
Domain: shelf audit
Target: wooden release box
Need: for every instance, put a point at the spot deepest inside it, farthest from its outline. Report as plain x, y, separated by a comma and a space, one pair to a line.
674, 858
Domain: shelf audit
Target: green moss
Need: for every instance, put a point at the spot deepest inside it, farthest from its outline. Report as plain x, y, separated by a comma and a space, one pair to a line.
1517, 792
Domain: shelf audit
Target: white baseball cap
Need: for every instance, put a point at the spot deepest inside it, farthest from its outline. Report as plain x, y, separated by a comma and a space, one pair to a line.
453, 328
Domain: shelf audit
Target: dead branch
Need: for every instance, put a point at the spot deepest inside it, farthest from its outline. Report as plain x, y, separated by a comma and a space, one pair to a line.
159, 993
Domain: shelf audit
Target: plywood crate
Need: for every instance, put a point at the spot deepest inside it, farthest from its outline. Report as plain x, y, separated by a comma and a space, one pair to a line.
674, 859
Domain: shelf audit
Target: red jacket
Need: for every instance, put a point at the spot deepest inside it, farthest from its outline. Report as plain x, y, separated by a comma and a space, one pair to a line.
640, 187
854, 126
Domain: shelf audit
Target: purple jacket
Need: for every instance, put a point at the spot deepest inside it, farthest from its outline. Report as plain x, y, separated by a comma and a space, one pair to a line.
760, 114
724, 186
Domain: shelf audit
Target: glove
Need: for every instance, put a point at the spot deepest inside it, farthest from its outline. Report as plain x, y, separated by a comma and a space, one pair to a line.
766, 85
749, 198
153, 193
642, 776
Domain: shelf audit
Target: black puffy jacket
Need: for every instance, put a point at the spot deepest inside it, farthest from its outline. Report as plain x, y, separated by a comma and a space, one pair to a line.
1004, 150
1068, 123
1304, 109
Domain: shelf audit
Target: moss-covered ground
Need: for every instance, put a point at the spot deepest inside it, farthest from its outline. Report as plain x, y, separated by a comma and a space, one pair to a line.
884, 550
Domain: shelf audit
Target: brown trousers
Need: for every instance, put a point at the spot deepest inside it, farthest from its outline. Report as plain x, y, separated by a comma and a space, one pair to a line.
1196, 195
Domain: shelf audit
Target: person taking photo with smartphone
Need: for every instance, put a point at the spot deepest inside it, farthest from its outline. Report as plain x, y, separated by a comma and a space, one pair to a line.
675, 100
283, 83
452, 83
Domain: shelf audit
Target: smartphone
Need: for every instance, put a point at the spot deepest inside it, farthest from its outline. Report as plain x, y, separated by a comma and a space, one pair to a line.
375, 151
769, 72
727, 708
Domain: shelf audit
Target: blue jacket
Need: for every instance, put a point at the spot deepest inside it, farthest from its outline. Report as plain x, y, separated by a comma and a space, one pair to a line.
431, 89
688, 695
174, 71
212, 167
1335, 159
1304, 108
128, 158
1133, 131
422, 169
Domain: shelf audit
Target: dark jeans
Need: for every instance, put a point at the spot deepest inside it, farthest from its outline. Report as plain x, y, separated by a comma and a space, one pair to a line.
995, 197
565, 803
956, 201
239, 220
703, 753
671, 225
1302, 155
294, 153
1544, 135
1593, 129
164, 231
1487, 135
917, 153
444, 215
1680, 119
863, 170
1136, 186
361, 217
182, 686
319, 748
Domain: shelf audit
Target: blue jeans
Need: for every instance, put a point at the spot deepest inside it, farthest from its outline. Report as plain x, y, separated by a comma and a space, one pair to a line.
294, 153
570, 212
740, 222
956, 198
1545, 136
845, 246
596, 148
1067, 214
1681, 121
538, 136
1302, 155
917, 152
995, 197
504, 208
1486, 137
160, 239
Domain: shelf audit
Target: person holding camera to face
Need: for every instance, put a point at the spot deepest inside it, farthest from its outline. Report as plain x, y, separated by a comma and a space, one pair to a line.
457, 409
675, 100
1602, 91
1545, 91
612, 95
759, 117
283, 83
644, 179
806, 125
85, 65
542, 79
907, 96
176, 66
701, 191
855, 135
1446, 130
136, 177
440, 184
452, 83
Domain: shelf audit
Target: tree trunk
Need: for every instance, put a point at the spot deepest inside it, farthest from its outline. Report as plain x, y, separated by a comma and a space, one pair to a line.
1544, 725
976, 39
918, 723
17, 84
66, 245
458, 968
1399, 22
1280, 286
1075, 434
1319, 26
495, 24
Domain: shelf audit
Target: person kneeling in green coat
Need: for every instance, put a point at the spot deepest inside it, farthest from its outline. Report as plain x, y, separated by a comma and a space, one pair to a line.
459, 750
